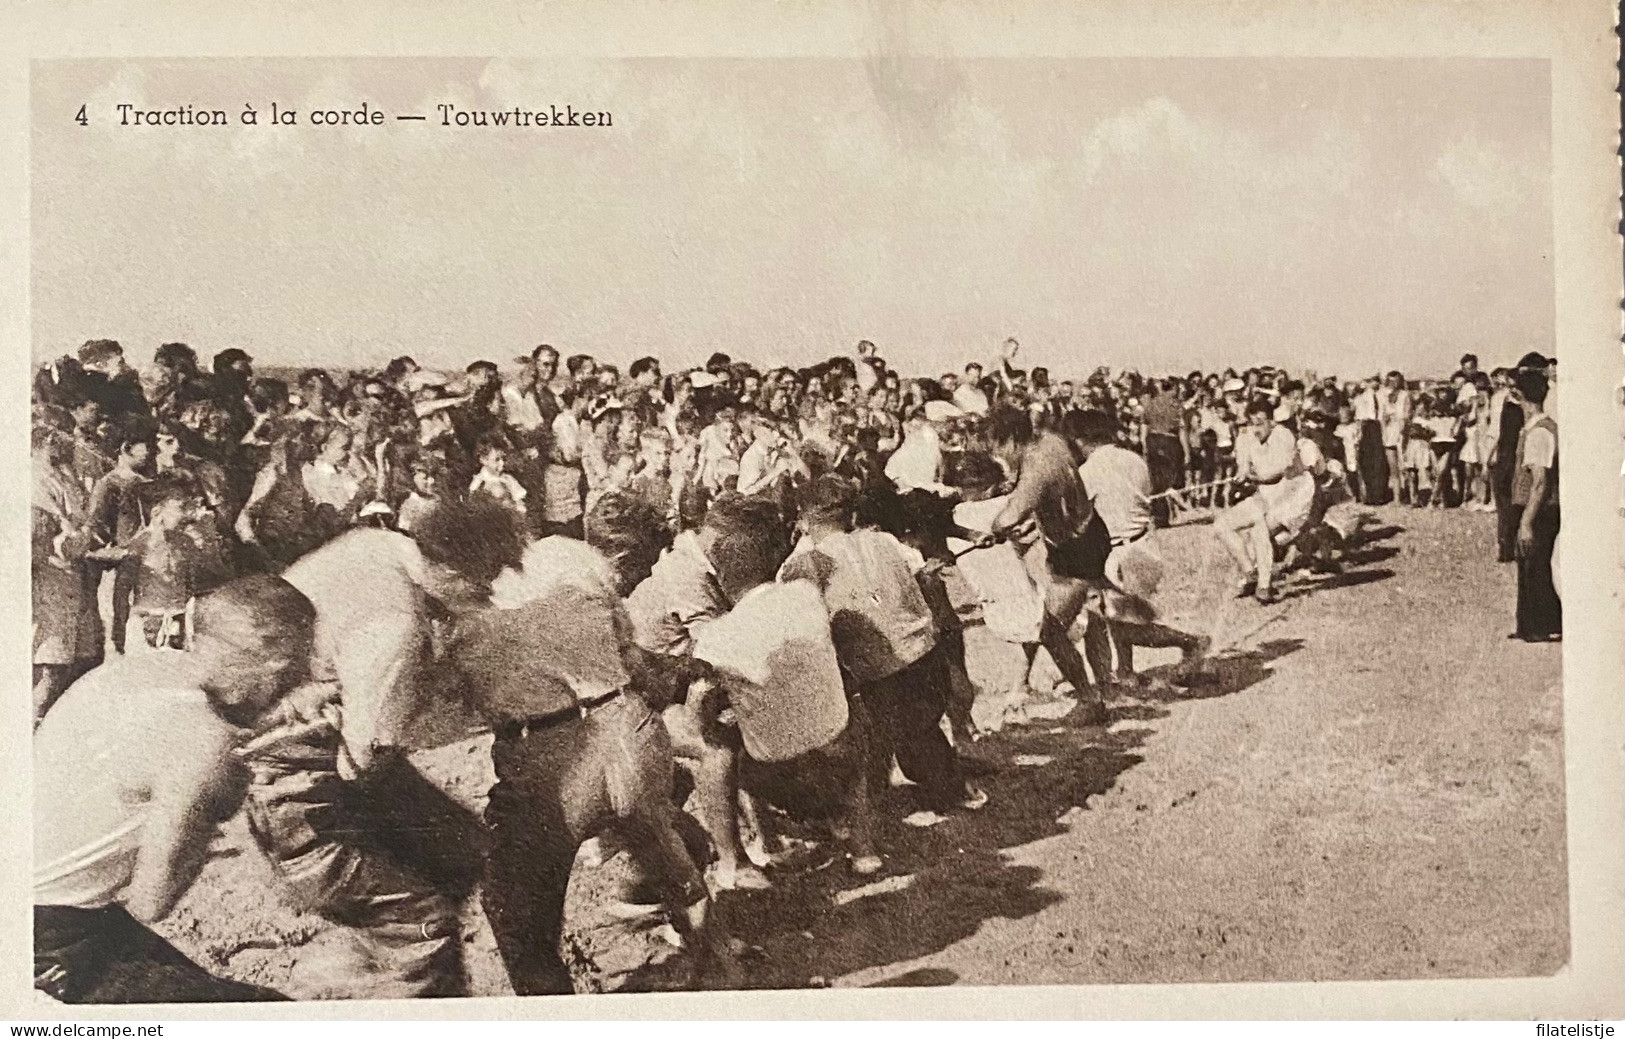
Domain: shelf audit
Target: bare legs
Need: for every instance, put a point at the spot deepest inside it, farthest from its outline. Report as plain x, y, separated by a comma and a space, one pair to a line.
716, 792
1063, 601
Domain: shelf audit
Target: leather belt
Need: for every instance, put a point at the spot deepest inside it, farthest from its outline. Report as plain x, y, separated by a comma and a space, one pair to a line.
1141, 536
522, 727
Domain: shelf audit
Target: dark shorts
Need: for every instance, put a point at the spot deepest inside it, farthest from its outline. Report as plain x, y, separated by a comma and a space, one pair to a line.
1083, 557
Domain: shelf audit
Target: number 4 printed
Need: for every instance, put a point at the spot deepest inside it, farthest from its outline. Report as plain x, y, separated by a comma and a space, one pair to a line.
81, 118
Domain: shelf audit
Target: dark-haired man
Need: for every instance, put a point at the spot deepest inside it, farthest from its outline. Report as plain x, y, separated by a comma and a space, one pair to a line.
175, 378
885, 639
1118, 482
1167, 446
1049, 504
115, 386
969, 394
478, 417
1507, 415
1534, 496
579, 747
738, 546
644, 373
134, 769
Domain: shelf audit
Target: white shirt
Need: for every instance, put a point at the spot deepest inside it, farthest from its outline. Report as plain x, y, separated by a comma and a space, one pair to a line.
327, 484
756, 463
971, 399
372, 632
1012, 605
1539, 448
501, 487
879, 619
1217, 419
1266, 461
567, 438
866, 375
520, 409
1119, 482
1365, 406
97, 756
1492, 415
916, 464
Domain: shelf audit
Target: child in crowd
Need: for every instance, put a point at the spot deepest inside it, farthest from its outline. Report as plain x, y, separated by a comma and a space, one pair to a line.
1417, 454
428, 473
720, 445
1444, 427
653, 481
1348, 432
174, 563
493, 481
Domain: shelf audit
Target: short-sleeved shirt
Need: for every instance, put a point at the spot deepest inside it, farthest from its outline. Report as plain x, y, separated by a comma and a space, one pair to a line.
116, 506
553, 636
1443, 428
1394, 411
971, 399
1269, 460
1365, 406
680, 594
521, 410
372, 630
878, 616
1537, 449
414, 510
1118, 481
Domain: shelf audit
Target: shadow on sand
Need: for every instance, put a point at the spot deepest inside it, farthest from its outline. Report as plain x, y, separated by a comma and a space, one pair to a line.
1221, 675
943, 881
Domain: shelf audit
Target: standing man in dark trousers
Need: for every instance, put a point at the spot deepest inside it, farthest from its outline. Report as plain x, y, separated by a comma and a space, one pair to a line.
1503, 464
1167, 447
1534, 498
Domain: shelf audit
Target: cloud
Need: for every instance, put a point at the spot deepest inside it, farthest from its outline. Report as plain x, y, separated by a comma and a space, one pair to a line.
1156, 127
1160, 135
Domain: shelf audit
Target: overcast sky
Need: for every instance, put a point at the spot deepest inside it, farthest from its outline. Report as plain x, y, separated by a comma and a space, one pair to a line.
1165, 214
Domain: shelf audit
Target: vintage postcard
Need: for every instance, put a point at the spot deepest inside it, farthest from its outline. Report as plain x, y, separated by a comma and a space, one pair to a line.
1060, 505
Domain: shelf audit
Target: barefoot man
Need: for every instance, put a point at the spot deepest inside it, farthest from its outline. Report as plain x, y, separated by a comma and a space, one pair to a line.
1049, 500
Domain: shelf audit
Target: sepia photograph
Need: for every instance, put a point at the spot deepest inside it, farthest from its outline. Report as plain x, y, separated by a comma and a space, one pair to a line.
546, 526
